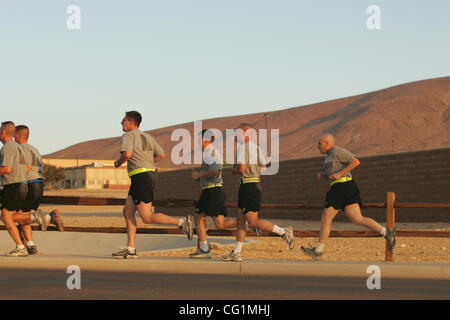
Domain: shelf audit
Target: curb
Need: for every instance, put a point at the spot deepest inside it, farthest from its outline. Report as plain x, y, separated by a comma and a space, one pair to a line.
430, 271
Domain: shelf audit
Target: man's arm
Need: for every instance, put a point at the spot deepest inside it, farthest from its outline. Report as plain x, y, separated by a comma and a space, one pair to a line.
160, 157
352, 165
5, 170
124, 157
241, 168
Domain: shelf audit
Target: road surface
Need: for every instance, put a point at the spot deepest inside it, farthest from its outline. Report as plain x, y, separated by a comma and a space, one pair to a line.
51, 284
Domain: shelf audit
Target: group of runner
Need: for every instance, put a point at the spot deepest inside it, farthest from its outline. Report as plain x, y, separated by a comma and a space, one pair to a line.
21, 172
22, 189
141, 151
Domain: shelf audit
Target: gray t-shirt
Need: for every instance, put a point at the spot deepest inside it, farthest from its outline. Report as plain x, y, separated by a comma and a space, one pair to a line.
337, 159
12, 155
143, 147
33, 157
212, 160
250, 154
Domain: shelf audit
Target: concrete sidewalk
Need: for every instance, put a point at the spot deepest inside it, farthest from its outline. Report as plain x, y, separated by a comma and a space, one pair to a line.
93, 252
101, 244
431, 271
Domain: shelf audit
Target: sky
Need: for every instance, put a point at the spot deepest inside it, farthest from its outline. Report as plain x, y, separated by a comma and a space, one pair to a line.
178, 61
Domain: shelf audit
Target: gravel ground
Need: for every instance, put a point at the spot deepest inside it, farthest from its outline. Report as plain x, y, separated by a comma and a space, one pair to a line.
345, 249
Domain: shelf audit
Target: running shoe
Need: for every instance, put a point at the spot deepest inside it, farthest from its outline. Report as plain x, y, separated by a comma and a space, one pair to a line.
188, 226
390, 238
32, 250
200, 254
18, 253
288, 236
41, 219
125, 253
312, 252
56, 219
235, 257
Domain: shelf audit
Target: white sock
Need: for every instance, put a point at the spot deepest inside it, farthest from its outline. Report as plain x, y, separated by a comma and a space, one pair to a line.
319, 247
20, 246
278, 230
180, 222
30, 243
383, 231
131, 249
204, 245
238, 247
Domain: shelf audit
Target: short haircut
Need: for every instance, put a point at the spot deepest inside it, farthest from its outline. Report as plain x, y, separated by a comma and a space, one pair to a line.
9, 127
23, 128
203, 135
135, 116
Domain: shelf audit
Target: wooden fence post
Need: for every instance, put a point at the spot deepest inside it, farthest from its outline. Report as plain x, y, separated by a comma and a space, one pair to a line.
390, 222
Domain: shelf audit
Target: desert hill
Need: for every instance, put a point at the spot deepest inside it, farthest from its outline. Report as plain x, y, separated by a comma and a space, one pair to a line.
411, 116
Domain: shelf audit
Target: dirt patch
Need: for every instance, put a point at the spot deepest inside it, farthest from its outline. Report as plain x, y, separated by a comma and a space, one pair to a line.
337, 249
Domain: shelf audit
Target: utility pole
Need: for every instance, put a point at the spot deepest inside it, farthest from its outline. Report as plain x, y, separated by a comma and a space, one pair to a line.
266, 117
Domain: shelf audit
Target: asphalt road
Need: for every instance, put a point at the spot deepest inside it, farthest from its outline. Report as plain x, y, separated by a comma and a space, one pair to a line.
51, 284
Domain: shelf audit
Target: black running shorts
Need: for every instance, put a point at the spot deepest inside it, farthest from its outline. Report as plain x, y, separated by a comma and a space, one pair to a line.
13, 196
212, 202
142, 187
342, 194
250, 197
34, 196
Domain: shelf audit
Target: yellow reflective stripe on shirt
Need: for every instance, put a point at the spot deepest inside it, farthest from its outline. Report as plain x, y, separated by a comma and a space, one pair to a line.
212, 186
340, 180
140, 170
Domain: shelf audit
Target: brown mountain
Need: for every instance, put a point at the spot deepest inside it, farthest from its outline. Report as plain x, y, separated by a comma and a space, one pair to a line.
411, 116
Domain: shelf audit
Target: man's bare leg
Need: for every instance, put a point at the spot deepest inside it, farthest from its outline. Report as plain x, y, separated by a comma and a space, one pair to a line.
8, 219
222, 223
130, 221
203, 250
327, 218
286, 233
353, 212
25, 221
254, 222
241, 233
200, 225
146, 212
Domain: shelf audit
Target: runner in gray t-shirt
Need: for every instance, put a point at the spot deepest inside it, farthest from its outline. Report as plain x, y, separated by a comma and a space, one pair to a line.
35, 183
250, 161
13, 174
142, 151
337, 159
343, 194
212, 200
35, 161
143, 147
12, 156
